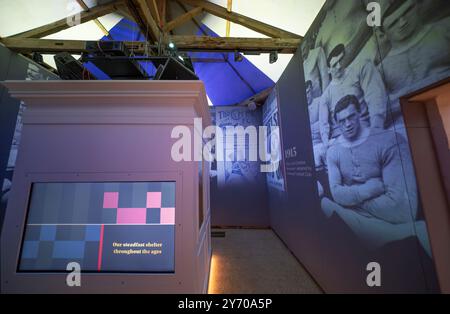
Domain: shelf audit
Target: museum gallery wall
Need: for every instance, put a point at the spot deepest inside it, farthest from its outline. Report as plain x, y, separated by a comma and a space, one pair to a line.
238, 188
347, 196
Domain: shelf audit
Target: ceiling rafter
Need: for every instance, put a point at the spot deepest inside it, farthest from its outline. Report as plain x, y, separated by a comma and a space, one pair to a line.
194, 20
141, 12
257, 99
96, 21
142, 15
153, 7
183, 43
243, 20
182, 19
63, 24
162, 8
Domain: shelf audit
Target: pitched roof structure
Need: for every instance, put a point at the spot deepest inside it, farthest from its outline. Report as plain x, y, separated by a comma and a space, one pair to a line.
214, 33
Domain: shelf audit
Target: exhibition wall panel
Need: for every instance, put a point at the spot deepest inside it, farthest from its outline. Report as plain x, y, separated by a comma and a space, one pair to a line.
238, 187
351, 198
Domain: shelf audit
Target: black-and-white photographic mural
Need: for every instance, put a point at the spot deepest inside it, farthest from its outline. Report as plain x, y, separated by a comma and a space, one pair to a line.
361, 205
271, 120
355, 75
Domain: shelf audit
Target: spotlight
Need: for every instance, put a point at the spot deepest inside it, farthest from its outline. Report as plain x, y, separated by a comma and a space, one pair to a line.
238, 57
171, 45
273, 57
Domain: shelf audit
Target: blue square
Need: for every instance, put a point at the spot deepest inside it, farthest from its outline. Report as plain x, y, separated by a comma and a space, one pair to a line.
90, 260
168, 194
109, 215
45, 253
30, 249
48, 233
68, 249
70, 233
28, 264
33, 233
92, 233
153, 215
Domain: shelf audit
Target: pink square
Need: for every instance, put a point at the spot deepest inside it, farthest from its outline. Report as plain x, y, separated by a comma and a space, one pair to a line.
111, 200
131, 216
154, 200
167, 216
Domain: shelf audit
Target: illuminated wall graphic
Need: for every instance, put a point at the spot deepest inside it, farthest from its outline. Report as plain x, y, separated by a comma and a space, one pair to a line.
106, 227
271, 119
359, 137
238, 188
235, 172
361, 203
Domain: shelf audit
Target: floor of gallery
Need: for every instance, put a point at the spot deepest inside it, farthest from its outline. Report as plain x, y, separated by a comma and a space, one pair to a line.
256, 262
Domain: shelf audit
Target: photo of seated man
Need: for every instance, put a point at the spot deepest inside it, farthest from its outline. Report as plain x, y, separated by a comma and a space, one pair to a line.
367, 182
360, 79
419, 53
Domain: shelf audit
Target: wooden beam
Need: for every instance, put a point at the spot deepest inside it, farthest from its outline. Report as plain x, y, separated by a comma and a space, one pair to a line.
50, 46
26, 45
258, 99
248, 22
153, 7
141, 13
229, 9
169, 13
134, 13
162, 8
96, 21
183, 43
125, 11
230, 44
194, 20
62, 24
182, 19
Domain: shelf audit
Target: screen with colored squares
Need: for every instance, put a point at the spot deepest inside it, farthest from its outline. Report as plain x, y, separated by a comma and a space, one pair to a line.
104, 227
